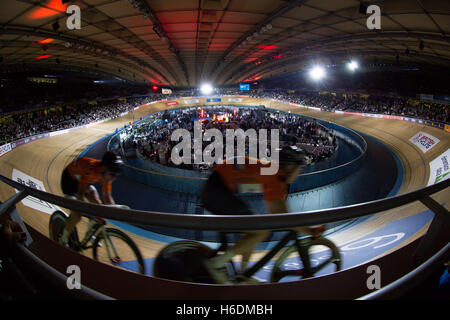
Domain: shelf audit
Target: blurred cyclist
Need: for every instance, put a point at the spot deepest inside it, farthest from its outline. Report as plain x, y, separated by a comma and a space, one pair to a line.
76, 183
229, 179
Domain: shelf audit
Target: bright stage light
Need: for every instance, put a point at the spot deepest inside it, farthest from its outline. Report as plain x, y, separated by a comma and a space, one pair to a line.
206, 89
352, 65
317, 73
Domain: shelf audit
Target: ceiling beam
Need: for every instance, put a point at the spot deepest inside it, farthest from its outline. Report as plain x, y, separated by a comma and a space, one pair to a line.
110, 51
158, 28
322, 44
221, 63
276, 65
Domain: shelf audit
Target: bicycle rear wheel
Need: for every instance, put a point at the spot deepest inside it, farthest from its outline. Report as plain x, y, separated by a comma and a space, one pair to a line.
56, 228
114, 247
292, 264
183, 261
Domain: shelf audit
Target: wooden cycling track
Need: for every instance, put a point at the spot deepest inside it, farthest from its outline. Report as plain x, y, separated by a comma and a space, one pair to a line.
45, 160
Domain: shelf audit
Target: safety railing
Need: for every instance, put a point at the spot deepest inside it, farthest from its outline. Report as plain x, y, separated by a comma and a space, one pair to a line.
284, 221
51, 276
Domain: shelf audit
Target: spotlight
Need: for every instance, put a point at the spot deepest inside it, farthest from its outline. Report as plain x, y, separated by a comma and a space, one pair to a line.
55, 26
352, 65
317, 73
206, 89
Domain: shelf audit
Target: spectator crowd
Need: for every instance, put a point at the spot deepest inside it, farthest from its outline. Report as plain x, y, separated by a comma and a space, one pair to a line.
21, 125
363, 104
151, 138
18, 125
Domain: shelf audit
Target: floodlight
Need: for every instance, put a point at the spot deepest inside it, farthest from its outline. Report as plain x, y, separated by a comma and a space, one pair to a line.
352, 65
206, 89
317, 73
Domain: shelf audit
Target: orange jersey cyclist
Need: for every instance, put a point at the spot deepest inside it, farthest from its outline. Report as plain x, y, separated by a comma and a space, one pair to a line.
76, 183
229, 179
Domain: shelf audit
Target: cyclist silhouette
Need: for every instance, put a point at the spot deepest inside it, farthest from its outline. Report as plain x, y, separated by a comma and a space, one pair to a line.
77, 179
228, 179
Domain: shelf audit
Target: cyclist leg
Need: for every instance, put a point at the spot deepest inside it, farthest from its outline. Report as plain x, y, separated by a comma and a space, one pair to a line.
217, 199
72, 221
91, 195
69, 187
246, 245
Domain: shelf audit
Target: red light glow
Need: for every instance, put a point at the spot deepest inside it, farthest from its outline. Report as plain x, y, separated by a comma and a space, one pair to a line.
43, 41
253, 79
267, 47
43, 57
52, 8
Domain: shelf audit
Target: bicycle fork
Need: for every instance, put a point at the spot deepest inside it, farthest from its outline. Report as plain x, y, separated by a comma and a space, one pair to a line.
111, 250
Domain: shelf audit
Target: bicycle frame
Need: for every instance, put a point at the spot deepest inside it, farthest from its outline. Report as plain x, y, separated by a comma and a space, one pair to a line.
291, 236
108, 243
88, 235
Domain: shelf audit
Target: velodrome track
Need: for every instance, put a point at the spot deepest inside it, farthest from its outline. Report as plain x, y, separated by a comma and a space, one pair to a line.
45, 159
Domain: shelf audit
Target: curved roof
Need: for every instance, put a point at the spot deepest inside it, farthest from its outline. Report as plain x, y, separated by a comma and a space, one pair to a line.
185, 42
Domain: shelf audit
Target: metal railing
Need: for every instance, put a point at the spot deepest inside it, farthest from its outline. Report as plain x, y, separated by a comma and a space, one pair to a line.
262, 222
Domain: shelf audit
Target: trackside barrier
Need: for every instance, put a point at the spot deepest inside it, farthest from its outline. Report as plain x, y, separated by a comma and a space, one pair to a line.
23, 258
408, 282
53, 277
440, 221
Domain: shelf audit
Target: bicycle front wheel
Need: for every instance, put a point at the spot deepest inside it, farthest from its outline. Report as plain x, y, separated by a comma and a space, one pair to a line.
114, 247
57, 224
292, 264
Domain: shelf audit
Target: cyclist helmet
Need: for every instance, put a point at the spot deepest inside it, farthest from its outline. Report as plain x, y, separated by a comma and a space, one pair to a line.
294, 155
112, 162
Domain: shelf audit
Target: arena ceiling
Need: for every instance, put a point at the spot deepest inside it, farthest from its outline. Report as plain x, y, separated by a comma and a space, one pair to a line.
187, 42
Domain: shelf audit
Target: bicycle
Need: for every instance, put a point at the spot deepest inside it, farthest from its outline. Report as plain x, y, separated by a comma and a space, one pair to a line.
183, 260
104, 242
